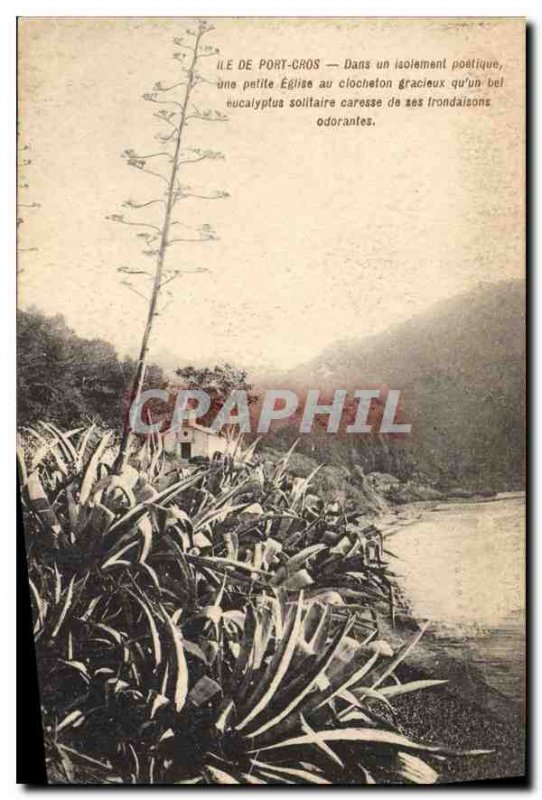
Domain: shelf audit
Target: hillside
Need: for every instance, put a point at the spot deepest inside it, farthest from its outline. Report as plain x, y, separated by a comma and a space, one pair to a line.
460, 368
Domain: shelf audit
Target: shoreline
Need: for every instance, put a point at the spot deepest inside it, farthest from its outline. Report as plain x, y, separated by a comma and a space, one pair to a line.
406, 514
471, 711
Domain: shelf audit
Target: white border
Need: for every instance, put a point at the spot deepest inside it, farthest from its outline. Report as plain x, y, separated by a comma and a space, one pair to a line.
8, 13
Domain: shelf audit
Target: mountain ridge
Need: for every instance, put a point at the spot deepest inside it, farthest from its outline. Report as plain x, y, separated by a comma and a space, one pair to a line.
460, 367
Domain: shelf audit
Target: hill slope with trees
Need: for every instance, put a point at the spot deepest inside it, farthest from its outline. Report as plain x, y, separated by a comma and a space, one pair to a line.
460, 368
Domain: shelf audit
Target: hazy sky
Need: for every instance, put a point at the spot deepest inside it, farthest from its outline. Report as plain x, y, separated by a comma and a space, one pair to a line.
327, 233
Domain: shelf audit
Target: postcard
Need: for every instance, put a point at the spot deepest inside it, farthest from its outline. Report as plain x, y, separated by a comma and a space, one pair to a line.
271, 397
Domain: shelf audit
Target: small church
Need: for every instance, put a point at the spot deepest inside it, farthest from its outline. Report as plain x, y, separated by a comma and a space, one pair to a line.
193, 440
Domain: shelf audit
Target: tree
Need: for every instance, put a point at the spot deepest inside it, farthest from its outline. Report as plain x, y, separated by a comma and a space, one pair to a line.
172, 155
218, 382
65, 379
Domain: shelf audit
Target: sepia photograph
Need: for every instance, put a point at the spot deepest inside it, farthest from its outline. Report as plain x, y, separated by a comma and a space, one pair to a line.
271, 388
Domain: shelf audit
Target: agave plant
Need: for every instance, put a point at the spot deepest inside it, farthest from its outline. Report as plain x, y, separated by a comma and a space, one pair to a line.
198, 628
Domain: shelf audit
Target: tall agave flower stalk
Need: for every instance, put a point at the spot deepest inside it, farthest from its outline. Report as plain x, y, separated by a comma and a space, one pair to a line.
172, 155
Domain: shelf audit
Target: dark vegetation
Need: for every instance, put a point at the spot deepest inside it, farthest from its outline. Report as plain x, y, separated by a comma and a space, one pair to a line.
216, 625
69, 380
